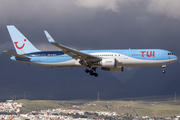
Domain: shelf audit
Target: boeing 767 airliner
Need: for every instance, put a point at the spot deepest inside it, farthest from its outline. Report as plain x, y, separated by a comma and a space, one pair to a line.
109, 60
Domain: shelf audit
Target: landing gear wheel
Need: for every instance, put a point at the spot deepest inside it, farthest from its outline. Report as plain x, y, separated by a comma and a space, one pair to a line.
86, 70
95, 74
91, 72
164, 67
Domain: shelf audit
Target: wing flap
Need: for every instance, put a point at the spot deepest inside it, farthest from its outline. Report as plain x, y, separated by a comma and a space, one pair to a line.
16, 55
72, 52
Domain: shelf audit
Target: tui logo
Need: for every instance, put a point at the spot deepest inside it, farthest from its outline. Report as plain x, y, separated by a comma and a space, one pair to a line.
151, 54
21, 46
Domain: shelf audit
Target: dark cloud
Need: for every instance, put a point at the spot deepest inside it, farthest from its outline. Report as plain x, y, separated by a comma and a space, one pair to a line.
88, 23
47, 83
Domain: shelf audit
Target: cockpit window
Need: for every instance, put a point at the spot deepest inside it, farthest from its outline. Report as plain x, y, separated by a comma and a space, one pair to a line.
170, 53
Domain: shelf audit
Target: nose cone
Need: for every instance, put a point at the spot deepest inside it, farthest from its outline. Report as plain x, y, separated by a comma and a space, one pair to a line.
174, 58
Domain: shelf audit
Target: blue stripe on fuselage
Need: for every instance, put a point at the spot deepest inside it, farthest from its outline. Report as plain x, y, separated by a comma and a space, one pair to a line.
44, 53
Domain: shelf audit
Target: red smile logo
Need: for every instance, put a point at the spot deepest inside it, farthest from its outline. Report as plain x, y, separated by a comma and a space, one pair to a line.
21, 46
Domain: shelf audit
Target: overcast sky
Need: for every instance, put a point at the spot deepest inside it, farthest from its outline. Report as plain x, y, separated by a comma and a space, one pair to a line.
94, 24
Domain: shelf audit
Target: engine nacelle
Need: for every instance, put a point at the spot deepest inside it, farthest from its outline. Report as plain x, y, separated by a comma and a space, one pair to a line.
117, 69
108, 63
114, 69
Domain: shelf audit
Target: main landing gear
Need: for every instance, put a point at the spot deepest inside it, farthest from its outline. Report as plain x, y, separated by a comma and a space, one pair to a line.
92, 72
164, 67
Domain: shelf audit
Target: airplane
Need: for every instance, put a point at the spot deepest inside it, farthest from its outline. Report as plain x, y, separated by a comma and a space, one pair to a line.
110, 60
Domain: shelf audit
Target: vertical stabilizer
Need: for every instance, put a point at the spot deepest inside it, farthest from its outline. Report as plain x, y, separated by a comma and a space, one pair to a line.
20, 42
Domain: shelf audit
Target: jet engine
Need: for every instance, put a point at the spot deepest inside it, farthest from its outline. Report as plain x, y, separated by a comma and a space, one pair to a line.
108, 63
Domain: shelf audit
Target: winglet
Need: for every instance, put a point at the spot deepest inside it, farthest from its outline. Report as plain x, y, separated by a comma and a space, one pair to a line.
71, 52
16, 55
50, 39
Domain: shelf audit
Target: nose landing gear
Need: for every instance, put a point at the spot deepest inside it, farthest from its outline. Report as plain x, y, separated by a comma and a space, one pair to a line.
92, 72
164, 67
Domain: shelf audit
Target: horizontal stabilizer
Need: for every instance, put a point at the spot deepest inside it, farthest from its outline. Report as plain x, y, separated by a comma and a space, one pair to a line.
17, 55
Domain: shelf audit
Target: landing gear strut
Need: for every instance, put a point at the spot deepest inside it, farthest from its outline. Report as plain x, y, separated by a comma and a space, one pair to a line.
87, 70
92, 72
164, 67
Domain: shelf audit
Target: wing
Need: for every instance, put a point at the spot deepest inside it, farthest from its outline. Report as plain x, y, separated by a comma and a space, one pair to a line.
72, 52
17, 55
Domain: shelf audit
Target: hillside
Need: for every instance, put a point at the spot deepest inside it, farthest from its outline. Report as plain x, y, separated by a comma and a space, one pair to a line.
157, 106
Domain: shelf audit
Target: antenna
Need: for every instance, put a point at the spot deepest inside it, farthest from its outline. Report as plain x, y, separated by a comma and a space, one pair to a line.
98, 96
24, 95
175, 97
13, 97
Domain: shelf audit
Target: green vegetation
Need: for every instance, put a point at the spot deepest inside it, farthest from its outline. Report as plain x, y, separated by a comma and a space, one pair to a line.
36, 105
147, 106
